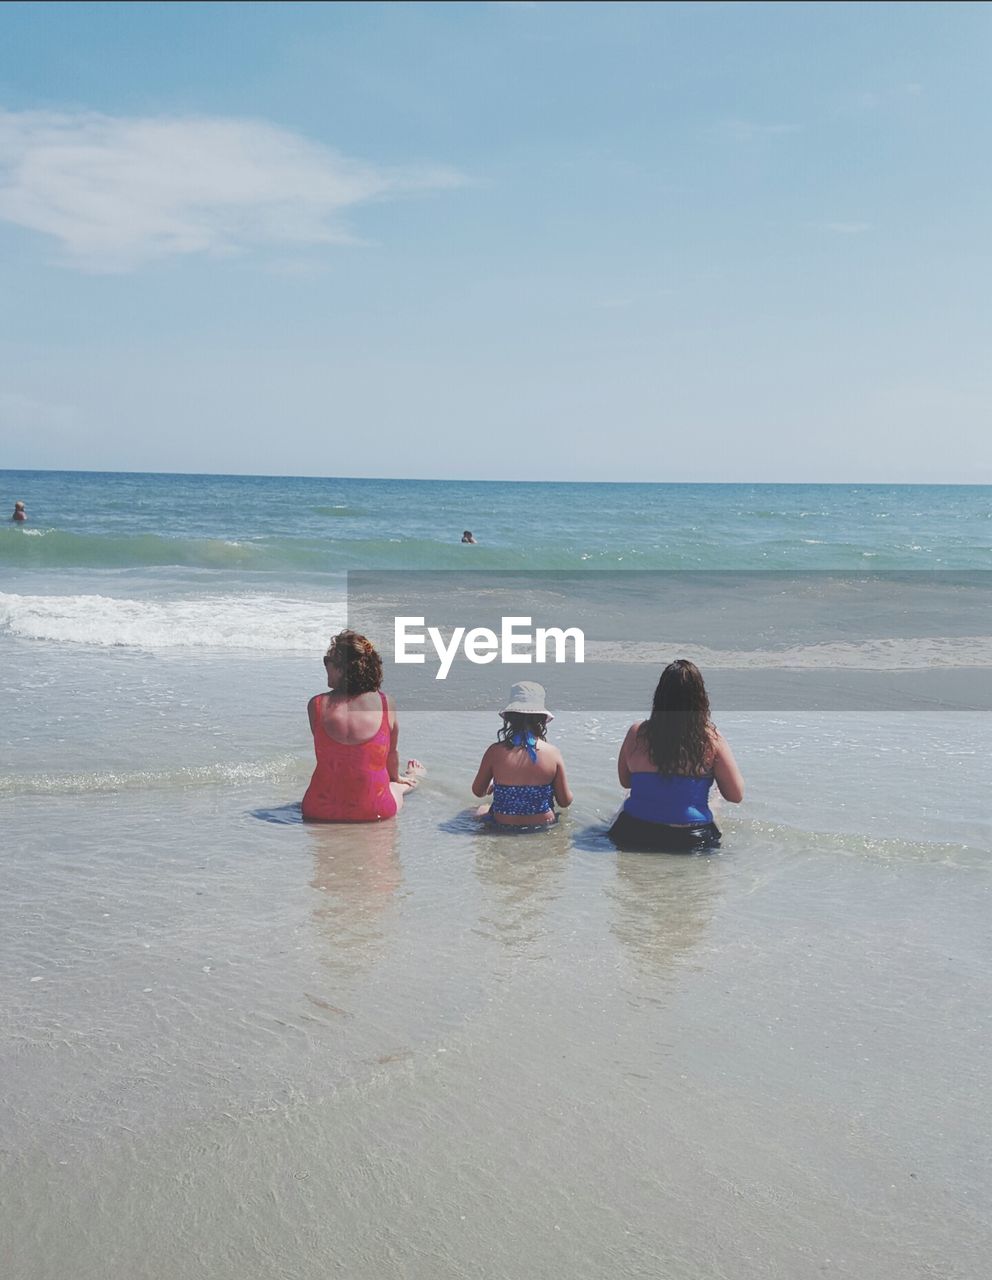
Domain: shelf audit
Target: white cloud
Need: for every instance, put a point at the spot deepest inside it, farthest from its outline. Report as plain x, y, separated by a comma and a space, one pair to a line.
115, 191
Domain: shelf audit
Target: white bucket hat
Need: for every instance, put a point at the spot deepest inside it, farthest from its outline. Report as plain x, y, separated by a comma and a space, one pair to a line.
527, 699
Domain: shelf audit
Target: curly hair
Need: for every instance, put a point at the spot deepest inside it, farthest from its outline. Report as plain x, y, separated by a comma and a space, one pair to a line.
679, 733
521, 722
360, 665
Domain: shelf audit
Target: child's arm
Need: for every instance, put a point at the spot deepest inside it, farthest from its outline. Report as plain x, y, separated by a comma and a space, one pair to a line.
563, 792
483, 779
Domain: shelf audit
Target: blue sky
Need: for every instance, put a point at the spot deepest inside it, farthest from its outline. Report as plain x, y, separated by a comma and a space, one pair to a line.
573, 241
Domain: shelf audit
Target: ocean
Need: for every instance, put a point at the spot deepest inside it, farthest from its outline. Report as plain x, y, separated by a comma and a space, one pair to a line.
236, 1045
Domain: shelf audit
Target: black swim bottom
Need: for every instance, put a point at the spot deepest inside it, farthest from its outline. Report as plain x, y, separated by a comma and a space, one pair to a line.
634, 835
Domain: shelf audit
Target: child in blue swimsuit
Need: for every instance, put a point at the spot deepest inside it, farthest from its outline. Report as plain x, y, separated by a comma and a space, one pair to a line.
522, 771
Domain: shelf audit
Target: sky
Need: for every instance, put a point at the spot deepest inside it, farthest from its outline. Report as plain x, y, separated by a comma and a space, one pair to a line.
672, 242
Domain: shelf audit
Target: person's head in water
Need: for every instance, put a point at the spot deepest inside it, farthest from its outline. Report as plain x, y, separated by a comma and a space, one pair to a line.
679, 733
468, 536
19, 512
352, 664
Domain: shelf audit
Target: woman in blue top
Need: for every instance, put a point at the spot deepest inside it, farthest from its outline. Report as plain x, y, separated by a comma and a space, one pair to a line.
669, 762
522, 771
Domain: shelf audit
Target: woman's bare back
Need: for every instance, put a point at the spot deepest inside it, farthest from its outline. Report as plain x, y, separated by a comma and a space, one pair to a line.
350, 720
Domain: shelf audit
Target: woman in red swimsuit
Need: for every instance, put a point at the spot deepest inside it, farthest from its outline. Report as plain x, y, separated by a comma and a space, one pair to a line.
355, 733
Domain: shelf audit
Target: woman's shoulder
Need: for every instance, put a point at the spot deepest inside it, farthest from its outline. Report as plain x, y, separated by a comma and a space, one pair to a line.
314, 713
717, 743
371, 699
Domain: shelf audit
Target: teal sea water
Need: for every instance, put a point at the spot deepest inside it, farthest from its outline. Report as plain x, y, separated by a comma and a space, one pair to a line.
260, 524
240, 1046
259, 562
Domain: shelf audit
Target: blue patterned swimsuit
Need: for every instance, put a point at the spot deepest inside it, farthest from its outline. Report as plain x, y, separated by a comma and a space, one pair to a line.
519, 800
529, 801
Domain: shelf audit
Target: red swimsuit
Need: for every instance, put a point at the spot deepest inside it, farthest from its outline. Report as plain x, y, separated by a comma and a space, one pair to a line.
351, 781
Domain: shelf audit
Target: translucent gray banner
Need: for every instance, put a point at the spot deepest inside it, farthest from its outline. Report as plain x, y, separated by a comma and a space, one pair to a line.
766, 641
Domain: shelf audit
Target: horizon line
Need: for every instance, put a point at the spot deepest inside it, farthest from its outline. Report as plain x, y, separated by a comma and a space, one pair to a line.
287, 475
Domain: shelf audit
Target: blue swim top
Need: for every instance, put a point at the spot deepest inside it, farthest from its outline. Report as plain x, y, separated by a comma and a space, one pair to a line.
669, 797
523, 800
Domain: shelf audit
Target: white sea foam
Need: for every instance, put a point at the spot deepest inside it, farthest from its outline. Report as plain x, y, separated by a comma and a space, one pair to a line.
279, 624
251, 622
897, 653
283, 768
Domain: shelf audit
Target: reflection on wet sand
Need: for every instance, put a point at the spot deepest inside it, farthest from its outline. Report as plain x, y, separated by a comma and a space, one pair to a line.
356, 874
663, 905
522, 875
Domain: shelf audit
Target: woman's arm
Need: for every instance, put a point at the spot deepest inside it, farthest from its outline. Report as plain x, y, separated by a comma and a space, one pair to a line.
480, 787
313, 711
623, 768
563, 792
725, 771
393, 759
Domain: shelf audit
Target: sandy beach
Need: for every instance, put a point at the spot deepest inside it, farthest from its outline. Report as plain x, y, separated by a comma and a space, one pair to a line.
237, 1045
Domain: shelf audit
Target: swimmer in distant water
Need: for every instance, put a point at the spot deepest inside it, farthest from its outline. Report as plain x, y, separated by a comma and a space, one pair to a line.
469, 536
20, 515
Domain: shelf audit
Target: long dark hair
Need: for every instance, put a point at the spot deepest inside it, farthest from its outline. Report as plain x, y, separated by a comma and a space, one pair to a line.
679, 734
521, 722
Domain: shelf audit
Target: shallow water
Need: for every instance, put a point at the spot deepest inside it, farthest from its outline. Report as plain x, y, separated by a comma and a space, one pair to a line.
237, 1045
423, 1048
